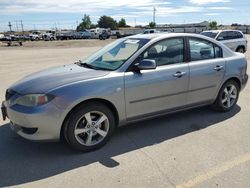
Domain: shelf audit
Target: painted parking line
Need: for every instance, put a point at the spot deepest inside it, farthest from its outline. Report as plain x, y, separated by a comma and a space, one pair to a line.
225, 166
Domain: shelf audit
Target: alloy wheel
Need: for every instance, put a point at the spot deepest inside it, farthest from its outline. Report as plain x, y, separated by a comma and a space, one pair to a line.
229, 96
91, 128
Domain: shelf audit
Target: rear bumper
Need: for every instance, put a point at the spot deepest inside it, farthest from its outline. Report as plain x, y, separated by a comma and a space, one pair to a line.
244, 82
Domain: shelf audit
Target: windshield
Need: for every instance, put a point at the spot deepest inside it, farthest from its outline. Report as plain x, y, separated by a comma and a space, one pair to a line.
115, 54
210, 34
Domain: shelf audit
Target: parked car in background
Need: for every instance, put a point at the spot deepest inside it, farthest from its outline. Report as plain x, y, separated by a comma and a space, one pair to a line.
97, 31
14, 39
81, 35
104, 35
148, 31
49, 37
36, 35
132, 79
64, 35
234, 39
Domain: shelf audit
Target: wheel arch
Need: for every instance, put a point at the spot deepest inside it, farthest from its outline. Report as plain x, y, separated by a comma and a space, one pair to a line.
241, 46
236, 79
105, 102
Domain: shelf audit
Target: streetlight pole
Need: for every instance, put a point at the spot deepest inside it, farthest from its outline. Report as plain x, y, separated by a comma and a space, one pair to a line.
154, 10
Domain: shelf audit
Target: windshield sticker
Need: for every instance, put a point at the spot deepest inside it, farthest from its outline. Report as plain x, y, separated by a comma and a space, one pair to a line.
131, 41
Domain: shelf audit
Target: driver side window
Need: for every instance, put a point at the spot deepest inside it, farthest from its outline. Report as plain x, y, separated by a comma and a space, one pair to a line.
169, 51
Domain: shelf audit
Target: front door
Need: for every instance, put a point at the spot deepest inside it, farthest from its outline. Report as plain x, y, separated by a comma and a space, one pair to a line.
151, 91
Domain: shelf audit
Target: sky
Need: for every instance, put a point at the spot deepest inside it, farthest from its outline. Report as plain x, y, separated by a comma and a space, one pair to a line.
66, 14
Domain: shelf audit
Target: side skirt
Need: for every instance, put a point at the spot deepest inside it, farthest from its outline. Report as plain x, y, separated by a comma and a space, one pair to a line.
165, 112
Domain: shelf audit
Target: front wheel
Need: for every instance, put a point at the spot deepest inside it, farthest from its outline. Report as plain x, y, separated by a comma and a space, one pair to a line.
227, 97
89, 127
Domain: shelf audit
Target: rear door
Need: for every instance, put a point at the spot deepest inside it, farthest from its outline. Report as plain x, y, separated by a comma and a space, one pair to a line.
207, 68
151, 91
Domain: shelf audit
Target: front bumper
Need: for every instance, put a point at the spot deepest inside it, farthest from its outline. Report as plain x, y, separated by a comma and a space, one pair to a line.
36, 123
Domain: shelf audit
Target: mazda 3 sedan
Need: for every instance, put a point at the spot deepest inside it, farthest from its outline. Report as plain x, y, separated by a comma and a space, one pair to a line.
132, 79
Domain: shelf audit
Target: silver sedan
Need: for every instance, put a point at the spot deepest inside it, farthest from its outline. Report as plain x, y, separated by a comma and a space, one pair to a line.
132, 79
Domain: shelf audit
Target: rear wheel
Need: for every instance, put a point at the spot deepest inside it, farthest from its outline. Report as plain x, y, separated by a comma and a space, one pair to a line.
89, 127
227, 97
241, 49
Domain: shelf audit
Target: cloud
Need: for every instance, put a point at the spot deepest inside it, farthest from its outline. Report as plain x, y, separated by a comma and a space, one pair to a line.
204, 2
212, 14
220, 8
72, 6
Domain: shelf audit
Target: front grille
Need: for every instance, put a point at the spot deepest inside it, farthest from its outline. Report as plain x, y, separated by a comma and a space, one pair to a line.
9, 93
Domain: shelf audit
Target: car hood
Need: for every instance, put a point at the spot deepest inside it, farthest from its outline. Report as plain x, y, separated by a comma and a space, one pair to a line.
46, 80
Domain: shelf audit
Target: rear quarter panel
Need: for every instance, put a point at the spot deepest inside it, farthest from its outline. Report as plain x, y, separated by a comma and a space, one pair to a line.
236, 66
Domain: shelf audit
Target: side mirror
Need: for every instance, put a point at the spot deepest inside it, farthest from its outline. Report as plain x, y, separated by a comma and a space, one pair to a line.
147, 64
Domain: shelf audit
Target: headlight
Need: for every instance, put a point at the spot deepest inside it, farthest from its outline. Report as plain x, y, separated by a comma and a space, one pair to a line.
34, 99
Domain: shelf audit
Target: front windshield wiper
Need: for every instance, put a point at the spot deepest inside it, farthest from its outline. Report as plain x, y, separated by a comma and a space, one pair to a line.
80, 63
84, 64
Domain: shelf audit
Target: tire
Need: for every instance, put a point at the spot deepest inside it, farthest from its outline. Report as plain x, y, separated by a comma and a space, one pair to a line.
225, 101
90, 134
241, 49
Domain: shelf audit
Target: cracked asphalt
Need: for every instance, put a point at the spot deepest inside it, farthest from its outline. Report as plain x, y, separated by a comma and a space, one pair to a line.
196, 148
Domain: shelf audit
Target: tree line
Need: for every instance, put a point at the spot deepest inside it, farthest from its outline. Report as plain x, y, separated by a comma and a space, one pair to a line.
109, 22
103, 22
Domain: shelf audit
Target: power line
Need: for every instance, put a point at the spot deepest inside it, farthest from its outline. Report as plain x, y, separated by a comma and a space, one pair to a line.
16, 25
22, 25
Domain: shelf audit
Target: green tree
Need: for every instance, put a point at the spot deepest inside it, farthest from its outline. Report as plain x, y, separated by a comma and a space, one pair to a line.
93, 26
122, 23
85, 24
213, 25
152, 24
107, 22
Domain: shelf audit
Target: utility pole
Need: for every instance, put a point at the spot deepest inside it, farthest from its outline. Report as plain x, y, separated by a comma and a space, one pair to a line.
22, 25
10, 26
16, 25
154, 10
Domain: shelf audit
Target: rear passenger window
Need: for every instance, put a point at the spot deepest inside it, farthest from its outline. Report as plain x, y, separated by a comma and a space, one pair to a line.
169, 51
201, 49
225, 35
239, 35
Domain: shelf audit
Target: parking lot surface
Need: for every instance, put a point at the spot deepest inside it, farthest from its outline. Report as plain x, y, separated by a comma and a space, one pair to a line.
196, 148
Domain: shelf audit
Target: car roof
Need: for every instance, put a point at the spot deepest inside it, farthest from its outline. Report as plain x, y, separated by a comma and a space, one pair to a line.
223, 30
163, 35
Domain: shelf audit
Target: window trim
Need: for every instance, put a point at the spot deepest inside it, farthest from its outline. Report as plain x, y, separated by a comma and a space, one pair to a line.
214, 45
185, 52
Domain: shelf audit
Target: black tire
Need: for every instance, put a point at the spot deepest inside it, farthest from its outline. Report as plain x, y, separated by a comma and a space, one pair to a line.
240, 49
218, 105
77, 115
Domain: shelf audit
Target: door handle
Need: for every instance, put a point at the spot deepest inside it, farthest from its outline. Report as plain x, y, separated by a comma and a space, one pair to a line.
218, 67
179, 74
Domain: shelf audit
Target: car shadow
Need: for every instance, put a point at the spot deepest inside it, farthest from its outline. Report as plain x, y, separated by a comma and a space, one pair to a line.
23, 161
